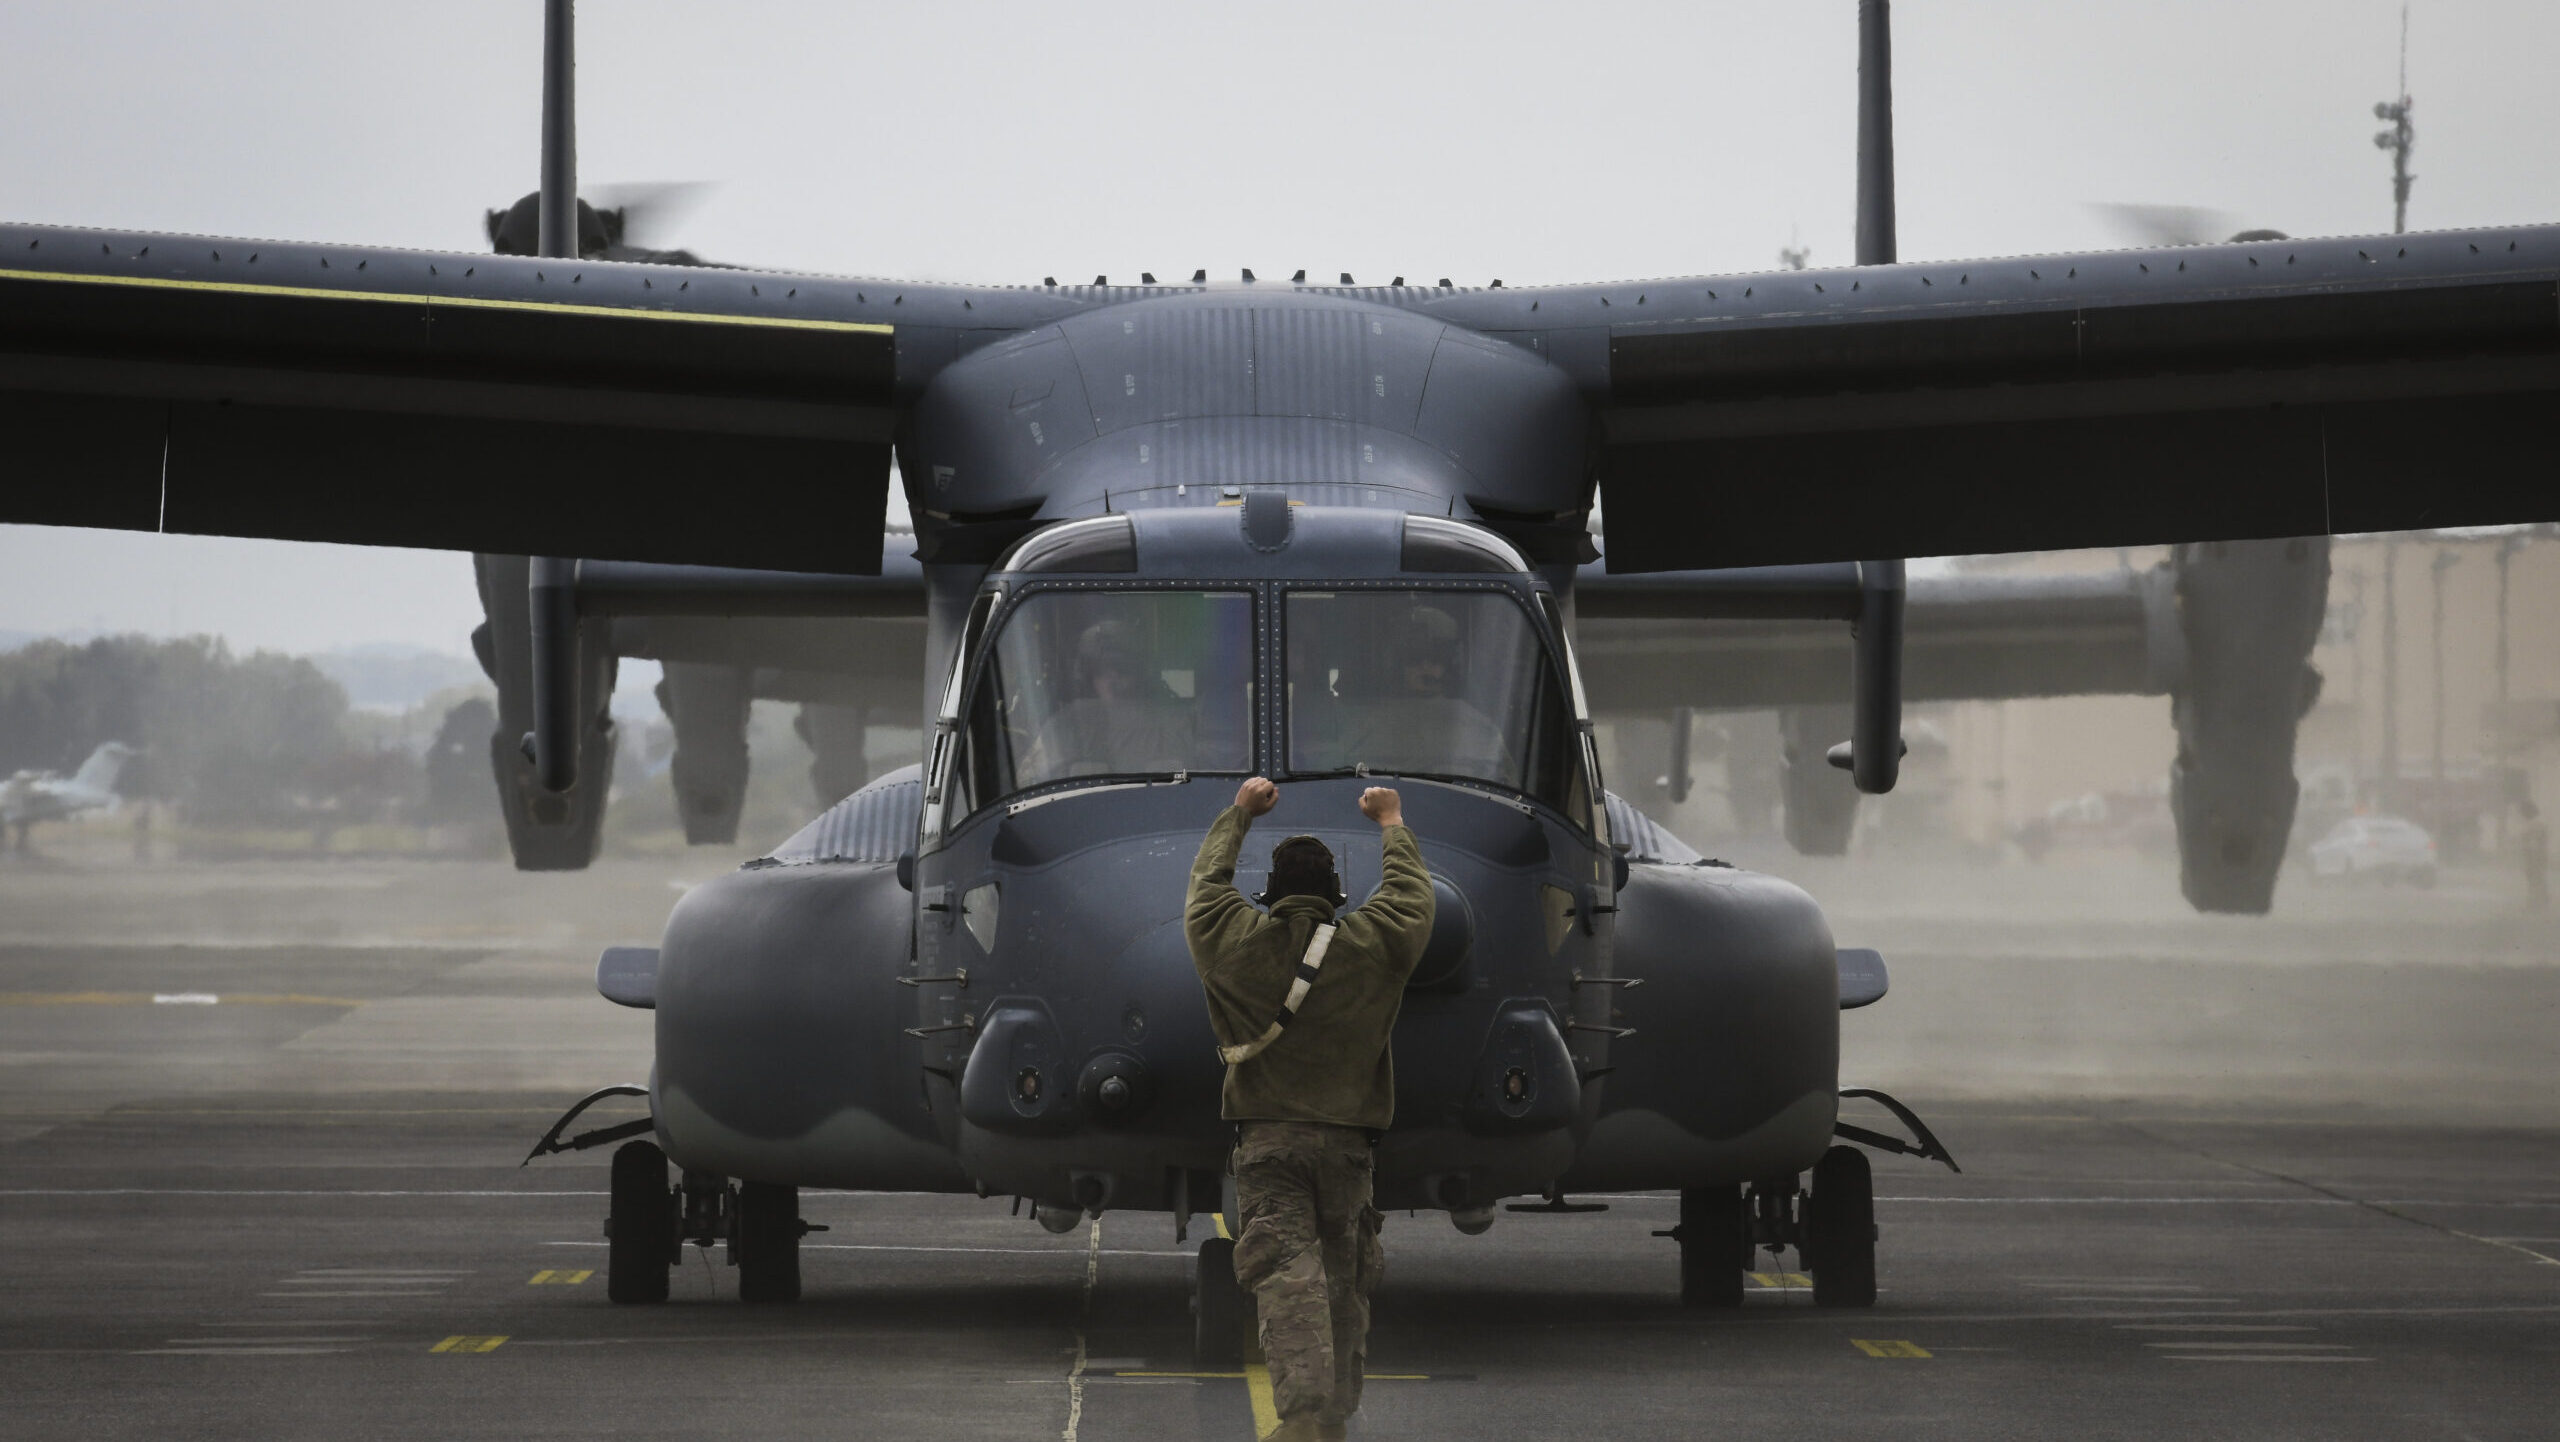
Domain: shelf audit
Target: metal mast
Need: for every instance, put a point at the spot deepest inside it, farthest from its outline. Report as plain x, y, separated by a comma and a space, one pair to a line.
2400, 137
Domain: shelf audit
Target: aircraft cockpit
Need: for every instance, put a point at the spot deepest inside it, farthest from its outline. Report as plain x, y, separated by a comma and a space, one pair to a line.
1424, 649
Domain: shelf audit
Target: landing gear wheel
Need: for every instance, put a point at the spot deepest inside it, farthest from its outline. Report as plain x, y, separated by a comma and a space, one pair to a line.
1714, 1247
640, 1231
768, 1240
1220, 1310
1840, 1230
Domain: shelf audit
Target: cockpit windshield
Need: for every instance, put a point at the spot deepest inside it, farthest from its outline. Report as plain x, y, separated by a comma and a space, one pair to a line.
1114, 683
1429, 683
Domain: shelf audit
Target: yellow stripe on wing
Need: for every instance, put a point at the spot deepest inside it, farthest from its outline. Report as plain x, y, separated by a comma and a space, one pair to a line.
231, 287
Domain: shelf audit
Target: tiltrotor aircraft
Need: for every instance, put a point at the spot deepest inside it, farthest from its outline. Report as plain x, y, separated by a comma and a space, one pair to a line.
32, 796
1170, 535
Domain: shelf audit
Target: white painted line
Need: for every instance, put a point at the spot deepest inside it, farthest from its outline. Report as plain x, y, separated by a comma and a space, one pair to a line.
238, 1351
2255, 1346
2272, 1357
234, 1343
243, 1192
981, 1251
2210, 1327
2152, 1301
184, 998
2111, 1285
411, 1293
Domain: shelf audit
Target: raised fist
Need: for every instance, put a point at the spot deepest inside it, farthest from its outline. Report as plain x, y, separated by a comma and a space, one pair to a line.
1381, 805
1258, 796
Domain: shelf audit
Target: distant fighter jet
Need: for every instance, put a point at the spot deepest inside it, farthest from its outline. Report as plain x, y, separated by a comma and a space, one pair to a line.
32, 796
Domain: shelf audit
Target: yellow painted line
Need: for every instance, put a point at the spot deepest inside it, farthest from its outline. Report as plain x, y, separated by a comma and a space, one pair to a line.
1257, 1385
153, 282
1780, 1279
460, 1345
169, 998
1888, 1349
1221, 1219
554, 1276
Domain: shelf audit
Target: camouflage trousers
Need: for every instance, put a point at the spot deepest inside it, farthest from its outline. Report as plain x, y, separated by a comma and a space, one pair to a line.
1309, 1253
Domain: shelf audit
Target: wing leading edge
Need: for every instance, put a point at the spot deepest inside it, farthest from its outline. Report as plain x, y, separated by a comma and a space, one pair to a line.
476, 402
2207, 393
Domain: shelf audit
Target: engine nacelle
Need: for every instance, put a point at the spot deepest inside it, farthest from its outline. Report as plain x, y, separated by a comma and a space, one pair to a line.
2250, 612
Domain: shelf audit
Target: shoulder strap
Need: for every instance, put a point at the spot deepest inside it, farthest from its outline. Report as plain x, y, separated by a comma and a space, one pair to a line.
1308, 966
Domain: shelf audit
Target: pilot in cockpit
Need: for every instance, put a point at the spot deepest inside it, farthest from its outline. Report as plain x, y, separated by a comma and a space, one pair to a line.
1421, 719
1123, 720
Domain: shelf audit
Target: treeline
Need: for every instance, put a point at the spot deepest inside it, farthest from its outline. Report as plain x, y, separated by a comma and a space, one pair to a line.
261, 739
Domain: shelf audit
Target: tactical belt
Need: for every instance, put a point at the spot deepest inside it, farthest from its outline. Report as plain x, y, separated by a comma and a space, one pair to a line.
1308, 966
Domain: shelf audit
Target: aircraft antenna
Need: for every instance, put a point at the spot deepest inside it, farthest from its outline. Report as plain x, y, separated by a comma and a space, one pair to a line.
2400, 137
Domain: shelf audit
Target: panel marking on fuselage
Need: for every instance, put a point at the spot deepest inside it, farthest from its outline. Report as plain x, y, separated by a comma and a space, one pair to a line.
233, 287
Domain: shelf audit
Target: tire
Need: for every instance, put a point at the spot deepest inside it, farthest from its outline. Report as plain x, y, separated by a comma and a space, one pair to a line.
1840, 1230
1715, 1246
768, 1233
640, 1233
1220, 1311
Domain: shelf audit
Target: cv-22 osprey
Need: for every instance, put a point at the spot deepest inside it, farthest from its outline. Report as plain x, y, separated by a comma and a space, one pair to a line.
1173, 535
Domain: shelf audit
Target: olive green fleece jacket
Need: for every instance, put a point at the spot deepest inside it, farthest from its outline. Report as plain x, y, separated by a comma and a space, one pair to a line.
1333, 1064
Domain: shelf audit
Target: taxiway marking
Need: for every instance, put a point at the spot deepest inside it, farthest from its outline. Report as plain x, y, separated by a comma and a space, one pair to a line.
554, 1276
459, 1344
1257, 1389
1075, 1374
1878, 1348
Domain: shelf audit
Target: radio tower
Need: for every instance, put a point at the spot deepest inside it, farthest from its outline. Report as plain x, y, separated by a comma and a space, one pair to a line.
2400, 137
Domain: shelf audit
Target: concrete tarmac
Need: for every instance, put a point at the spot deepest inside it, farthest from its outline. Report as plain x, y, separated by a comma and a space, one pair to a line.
259, 1179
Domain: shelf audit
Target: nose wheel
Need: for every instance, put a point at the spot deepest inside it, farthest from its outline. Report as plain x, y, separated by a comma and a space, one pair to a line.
1220, 1310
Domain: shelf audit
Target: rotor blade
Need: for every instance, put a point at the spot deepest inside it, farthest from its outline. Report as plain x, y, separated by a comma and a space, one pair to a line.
652, 211
2166, 225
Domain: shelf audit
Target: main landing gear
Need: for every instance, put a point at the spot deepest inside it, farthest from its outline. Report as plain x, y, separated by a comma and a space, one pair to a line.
651, 1221
1832, 1226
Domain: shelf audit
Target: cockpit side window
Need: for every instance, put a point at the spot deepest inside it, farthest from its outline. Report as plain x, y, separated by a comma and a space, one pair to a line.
1440, 683
1113, 683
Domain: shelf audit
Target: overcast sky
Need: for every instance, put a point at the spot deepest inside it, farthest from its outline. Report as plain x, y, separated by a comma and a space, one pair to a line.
996, 142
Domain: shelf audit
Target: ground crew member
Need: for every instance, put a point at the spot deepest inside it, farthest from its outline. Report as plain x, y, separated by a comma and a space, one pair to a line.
1303, 1004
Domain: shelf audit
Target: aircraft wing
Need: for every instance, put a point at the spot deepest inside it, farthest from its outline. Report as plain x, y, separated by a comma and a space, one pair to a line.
2222, 392
473, 402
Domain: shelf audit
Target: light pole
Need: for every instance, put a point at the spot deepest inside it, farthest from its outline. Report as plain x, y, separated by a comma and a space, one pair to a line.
2400, 137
